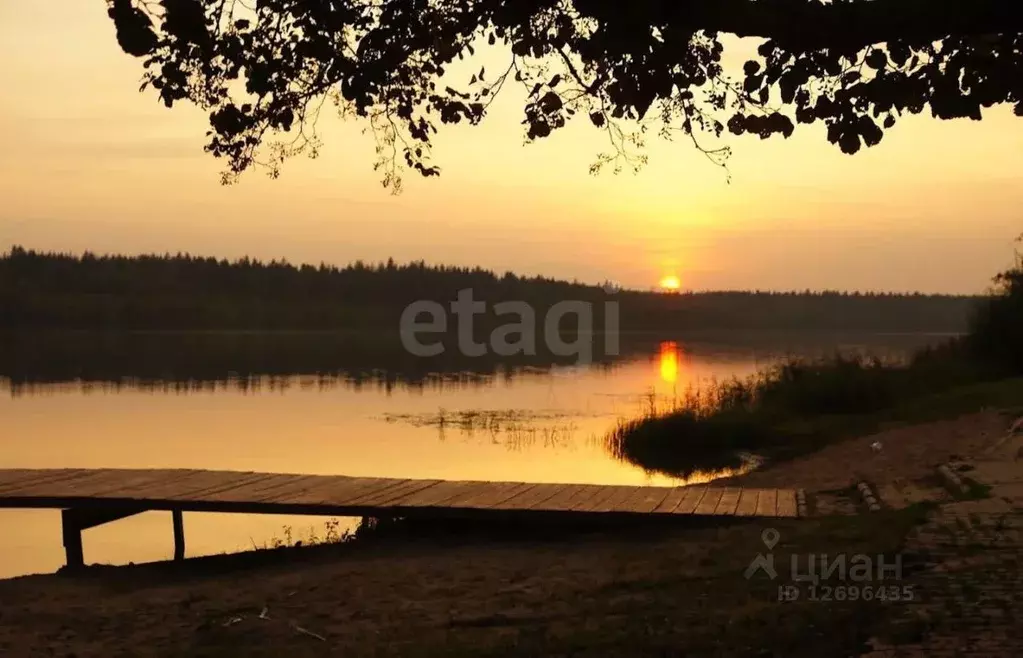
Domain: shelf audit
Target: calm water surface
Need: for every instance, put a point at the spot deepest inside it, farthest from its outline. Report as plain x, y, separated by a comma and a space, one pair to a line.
536, 426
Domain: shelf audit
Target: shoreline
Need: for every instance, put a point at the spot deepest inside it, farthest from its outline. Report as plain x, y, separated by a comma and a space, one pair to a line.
512, 591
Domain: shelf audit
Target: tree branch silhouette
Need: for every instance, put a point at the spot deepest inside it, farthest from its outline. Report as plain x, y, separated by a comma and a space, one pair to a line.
854, 65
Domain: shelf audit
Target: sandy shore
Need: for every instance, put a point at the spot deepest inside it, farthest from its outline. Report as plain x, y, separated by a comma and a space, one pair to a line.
908, 452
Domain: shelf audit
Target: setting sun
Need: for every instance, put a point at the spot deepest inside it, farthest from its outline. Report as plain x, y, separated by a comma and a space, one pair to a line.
671, 283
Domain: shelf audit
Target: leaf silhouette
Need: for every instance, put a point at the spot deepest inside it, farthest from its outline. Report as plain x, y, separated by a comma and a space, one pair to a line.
843, 64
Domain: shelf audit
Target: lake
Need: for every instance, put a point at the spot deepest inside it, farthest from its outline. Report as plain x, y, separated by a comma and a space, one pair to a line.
532, 424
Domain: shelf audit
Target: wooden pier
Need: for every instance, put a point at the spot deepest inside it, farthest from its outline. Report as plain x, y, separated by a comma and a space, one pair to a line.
92, 497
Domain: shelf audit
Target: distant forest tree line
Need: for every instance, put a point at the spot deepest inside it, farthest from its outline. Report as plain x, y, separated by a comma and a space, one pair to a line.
183, 292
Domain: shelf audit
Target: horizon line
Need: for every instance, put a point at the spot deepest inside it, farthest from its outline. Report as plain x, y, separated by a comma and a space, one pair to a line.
384, 264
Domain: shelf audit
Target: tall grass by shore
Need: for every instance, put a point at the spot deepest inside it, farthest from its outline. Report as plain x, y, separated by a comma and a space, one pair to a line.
798, 406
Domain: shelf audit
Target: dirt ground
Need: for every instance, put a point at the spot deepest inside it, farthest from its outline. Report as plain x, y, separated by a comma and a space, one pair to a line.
609, 594
907, 453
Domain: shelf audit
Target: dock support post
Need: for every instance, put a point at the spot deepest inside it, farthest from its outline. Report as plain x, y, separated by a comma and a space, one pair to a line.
72, 532
179, 535
74, 520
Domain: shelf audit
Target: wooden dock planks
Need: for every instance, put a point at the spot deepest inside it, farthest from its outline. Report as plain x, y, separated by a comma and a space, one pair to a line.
787, 503
495, 494
709, 502
336, 491
729, 501
251, 492
691, 501
671, 501
23, 478
644, 500
747, 505
529, 498
80, 482
767, 503
569, 496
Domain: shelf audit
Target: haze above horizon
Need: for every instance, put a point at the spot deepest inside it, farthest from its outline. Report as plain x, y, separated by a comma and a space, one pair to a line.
91, 164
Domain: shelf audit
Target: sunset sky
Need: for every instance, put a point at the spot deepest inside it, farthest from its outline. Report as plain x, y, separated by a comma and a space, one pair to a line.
87, 162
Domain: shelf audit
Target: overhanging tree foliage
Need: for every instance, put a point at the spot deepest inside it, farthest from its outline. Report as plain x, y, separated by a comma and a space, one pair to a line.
267, 68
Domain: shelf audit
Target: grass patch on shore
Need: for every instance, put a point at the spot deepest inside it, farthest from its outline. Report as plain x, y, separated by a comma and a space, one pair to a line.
800, 406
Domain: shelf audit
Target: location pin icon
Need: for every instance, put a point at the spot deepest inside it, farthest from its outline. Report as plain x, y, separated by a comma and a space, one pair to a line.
770, 537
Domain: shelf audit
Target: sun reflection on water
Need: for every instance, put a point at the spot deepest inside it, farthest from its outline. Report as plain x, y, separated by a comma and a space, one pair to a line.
670, 360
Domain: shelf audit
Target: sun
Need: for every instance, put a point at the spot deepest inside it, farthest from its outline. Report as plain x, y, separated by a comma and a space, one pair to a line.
671, 283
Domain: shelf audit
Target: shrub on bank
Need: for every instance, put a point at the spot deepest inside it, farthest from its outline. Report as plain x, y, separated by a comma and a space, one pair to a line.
996, 329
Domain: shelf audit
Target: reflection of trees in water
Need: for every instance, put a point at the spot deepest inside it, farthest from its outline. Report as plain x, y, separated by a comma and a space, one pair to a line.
258, 362
516, 429
254, 361
518, 437
381, 381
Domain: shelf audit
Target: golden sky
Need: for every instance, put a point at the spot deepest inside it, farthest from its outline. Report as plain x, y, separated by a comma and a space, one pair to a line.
87, 162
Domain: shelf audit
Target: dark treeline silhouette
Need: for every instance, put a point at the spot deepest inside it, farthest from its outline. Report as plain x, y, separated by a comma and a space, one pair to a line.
184, 292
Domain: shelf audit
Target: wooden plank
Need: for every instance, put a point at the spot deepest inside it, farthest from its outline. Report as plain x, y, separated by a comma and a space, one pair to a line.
250, 490
671, 501
596, 500
131, 484
111, 478
272, 490
544, 502
747, 502
692, 499
709, 502
203, 490
787, 503
386, 490
41, 479
165, 485
185, 482
17, 479
438, 494
530, 498
614, 502
592, 498
72, 486
391, 496
569, 496
729, 501
495, 494
767, 504
545, 494
644, 500
381, 490
332, 490
295, 486
469, 494
136, 484
11, 476
87, 484
116, 480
